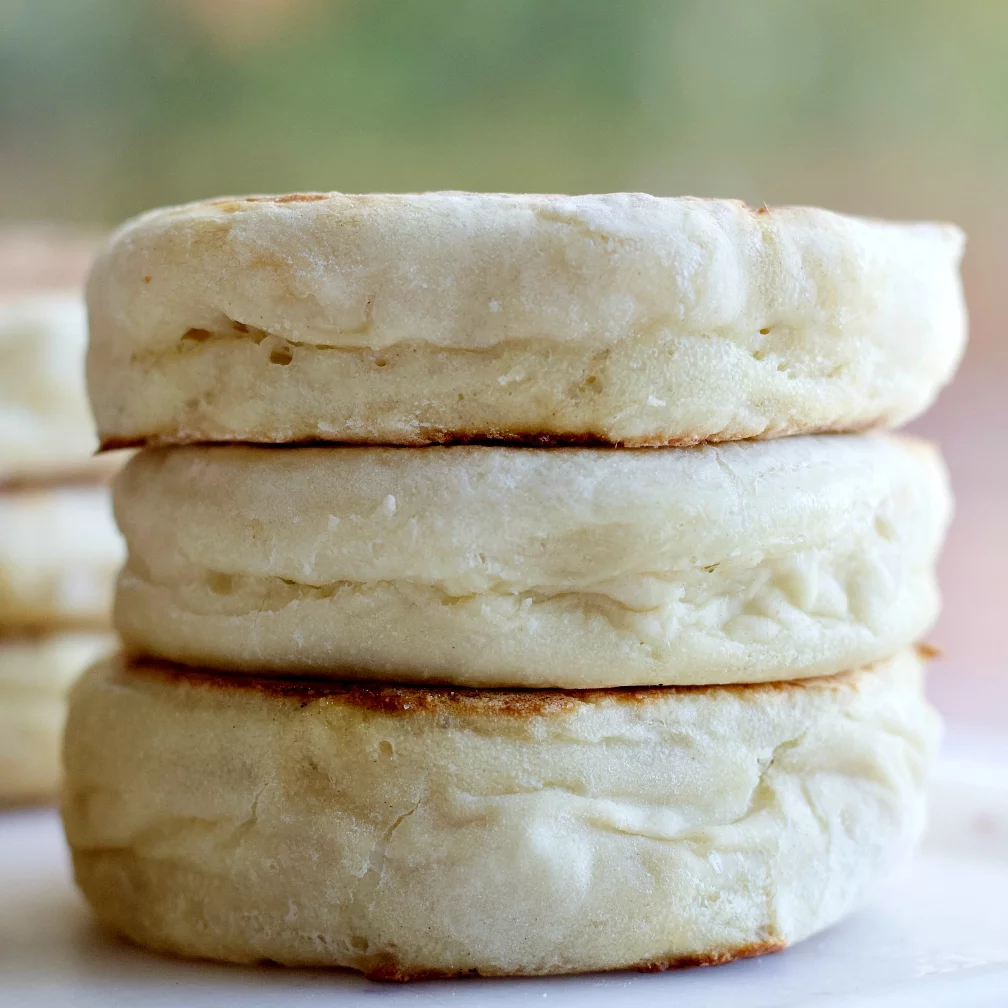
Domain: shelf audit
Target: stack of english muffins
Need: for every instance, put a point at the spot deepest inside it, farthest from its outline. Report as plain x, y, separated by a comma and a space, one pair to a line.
59, 549
479, 616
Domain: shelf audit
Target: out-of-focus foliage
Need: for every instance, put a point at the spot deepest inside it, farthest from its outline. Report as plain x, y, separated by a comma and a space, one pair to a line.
109, 106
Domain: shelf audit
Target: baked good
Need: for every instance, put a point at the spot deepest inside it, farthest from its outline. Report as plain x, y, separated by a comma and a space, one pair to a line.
59, 556
34, 676
444, 317
412, 832
46, 430
533, 567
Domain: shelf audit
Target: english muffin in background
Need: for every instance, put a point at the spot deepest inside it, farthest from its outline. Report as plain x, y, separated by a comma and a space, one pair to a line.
60, 553
59, 548
35, 673
46, 430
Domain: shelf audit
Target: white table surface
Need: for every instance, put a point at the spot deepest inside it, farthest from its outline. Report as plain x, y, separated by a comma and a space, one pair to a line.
936, 935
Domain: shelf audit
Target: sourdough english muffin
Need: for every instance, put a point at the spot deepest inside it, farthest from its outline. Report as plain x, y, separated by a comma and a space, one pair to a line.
59, 556
34, 676
46, 430
412, 832
533, 567
411, 319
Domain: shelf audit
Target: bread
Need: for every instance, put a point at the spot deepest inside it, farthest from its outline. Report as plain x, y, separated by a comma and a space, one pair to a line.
59, 556
46, 428
412, 832
34, 676
533, 567
443, 317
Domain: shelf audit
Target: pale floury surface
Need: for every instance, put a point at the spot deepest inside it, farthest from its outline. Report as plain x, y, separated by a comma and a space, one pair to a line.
34, 677
533, 567
59, 556
408, 832
46, 430
410, 319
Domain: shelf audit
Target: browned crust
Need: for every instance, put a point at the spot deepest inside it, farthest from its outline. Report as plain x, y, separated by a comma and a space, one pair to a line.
384, 968
310, 197
117, 443
316, 195
384, 698
388, 970
497, 438
710, 958
231, 203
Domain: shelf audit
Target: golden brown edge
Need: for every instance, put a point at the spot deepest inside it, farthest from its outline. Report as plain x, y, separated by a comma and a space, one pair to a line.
391, 699
390, 971
386, 969
498, 438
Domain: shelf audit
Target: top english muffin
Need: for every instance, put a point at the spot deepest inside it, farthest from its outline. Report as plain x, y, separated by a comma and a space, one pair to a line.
447, 317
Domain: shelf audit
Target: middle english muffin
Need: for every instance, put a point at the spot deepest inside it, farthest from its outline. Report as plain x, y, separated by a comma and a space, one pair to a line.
503, 566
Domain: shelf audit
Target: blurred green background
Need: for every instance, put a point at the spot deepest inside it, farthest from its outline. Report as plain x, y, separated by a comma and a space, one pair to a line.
110, 106
892, 107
